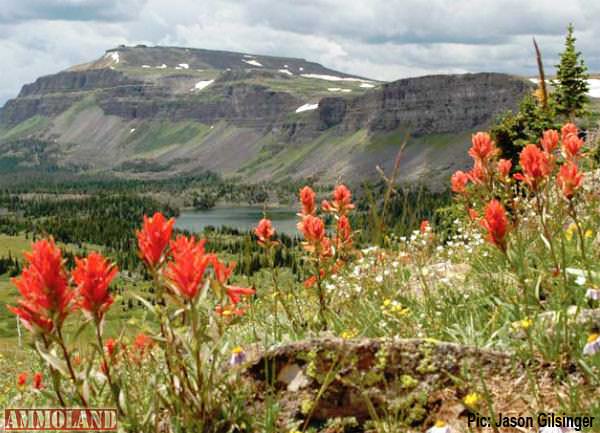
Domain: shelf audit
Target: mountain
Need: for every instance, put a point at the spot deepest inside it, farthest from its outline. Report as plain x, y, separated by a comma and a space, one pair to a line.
162, 111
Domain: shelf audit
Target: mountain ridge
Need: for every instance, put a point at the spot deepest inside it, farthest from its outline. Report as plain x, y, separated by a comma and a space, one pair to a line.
129, 115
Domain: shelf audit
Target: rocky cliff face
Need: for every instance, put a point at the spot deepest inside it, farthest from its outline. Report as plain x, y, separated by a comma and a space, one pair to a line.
258, 116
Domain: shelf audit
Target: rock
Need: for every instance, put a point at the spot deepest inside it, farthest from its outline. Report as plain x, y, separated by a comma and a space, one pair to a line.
331, 377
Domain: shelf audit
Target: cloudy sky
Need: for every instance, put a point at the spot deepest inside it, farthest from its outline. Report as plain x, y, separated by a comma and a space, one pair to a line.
383, 39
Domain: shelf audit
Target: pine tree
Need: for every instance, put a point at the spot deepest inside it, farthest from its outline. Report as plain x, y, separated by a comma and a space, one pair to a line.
571, 86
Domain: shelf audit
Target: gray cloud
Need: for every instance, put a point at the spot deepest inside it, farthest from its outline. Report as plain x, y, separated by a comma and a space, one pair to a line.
69, 10
384, 39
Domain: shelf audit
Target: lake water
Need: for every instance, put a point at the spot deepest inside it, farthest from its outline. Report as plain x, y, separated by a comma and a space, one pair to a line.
241, 218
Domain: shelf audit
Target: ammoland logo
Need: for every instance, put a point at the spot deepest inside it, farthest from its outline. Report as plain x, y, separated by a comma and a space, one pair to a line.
60, 419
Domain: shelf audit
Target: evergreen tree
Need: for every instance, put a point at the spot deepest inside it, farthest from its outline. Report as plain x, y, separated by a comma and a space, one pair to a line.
570, 86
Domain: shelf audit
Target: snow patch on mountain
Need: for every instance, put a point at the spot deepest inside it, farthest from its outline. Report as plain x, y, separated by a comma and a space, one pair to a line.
307, 107
252, 62
202, 84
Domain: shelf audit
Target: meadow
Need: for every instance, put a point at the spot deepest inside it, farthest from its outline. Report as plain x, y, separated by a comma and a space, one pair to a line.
487, 309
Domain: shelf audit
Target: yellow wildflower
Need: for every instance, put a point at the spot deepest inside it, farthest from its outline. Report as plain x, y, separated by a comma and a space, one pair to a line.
472, 400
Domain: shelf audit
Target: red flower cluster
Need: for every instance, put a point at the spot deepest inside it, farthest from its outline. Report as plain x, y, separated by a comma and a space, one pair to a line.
38, 380
484, 152
264, 232
495, 222
185, 273
536, 165
46, 297
307, 199
186, 261
569, 179
93, 275
154, 238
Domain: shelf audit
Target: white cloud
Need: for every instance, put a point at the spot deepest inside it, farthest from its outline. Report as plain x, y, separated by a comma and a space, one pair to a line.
382, 39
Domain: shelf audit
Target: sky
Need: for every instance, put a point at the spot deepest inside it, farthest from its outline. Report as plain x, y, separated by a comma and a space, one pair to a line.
380, 39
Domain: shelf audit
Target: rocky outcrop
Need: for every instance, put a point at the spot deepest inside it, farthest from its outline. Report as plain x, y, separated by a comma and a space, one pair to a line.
426, 105
415, 381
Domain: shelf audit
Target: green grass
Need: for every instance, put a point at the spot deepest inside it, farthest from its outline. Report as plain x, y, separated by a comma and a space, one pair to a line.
152, 137
30, 126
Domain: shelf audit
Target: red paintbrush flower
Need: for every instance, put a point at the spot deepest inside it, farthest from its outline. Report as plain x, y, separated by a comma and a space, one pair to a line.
185, 274
504, 166
109, 347
183, 244
478, 173
536, 165
424, 227
307, 198
568, 129
549, 140
344, 230
459, 182
571, 146
342, 200
569, 179
496, 224
154, 238
37, 380
264, 231
92, 277
22, 379
313, 228
46, 297
483, 148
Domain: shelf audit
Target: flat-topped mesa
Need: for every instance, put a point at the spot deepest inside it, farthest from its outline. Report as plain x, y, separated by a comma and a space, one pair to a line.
169, 110
179, 58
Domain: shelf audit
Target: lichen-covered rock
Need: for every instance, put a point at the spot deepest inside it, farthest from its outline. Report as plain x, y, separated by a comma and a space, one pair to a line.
327, 378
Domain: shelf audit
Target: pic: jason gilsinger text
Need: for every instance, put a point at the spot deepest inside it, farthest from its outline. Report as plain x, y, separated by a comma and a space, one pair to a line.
544, 419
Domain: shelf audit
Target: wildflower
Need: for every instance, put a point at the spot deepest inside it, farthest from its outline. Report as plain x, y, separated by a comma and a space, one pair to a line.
459, 182
523, 324
473, 214
46, 298
549, 140
440, 427
238, 356
344, 230
478, 173
349, 334
593, 344
313, 228
222, 271
424, 227
588, 234
235, 293
141, 345
185, 274
182, 244
569, 179
483, 147
568, 129
342, 198
92, 276
571, 146
109, 347
504, 166
21, 380
472, 400
154, 238
307, 198
37, 380
496, 224
264, 231
593, 294
580, 280
536, 166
